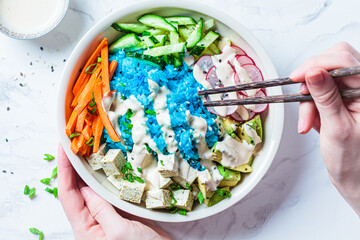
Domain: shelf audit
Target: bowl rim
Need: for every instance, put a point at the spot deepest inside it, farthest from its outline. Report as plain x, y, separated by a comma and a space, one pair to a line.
84, 43
29, 36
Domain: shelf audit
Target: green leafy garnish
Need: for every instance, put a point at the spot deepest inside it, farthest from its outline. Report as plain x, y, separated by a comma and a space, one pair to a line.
201, 198
90, 142
182, 212
140, 180
139, 170
128, 166
188, 186
35, 231
88, 71
75, 134
150, 112
32, 192
48, 157
26, 190
54, 173
174, 186
46, 181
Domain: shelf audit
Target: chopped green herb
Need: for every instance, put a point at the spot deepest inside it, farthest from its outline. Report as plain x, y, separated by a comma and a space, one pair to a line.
99, 59
173, 198
200, 198
182, 212
49, 190
35, 231
123, 169
55, 192
121, 84
46, 181
128, 166
48, 157
148, 148
75, 134
162, 162
150, 112
129, 113
90, 142
26, 190
54, 173
88, 71
129, 177
41, 236
224, 193
140, 180
174, 186
123, 97
32, 192
92, 111
173, 210
127, 125
139, 170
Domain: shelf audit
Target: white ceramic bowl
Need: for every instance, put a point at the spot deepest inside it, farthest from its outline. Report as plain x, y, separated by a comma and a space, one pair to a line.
239, 36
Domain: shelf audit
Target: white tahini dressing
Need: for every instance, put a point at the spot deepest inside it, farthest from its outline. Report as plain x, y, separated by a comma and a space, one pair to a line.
252, 133
151, 175
163, 118
29, 16
234, 153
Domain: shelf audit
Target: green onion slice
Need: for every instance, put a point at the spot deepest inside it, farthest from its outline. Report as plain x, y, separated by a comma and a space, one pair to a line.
88, 71
35, 231
174, 186
55, 192
46, 181
182, 212
75, 134
162, 162
139, 170
150, 112
32, 192
128, 166
26, 190
201, 198
49, 190
99, 59
90, 142
48, 157
140, 180
54, 173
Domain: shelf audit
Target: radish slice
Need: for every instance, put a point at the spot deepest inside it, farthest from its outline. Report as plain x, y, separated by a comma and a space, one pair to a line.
253, 72
205, 63
259, 108
244, 60
230, 95
238, 51
212, 78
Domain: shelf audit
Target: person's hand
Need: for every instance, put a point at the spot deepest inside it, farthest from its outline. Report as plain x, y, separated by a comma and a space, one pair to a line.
337, 120
90, 216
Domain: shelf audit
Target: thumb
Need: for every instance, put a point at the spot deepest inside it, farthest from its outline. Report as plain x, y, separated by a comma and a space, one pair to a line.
325, 93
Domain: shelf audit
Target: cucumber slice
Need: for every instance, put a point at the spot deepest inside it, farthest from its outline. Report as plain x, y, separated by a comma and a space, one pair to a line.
204, 43
153, 61
130, 27
195, 35
154, 41
214, 48
174, 37
177, 62
153, 32
184, 32
209, 24
166, 50
129, 42
181, 20
156, 21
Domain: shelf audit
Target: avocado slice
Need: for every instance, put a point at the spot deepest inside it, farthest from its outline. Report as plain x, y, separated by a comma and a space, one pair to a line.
245, 168
207, 194
229, 124
216, 198
216, 154
230, 178
255, 124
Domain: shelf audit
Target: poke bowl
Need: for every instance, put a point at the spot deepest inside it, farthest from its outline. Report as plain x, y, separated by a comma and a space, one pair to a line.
132, 123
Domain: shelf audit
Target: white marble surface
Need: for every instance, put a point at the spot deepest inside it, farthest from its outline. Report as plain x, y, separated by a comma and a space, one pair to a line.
295, 200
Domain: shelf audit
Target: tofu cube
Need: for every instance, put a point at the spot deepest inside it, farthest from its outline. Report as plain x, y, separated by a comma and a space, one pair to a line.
195, 191
165, 182
112, 162
167, 165
95, 158
157, 199
187, 174
116, 180
184, 198
132, 191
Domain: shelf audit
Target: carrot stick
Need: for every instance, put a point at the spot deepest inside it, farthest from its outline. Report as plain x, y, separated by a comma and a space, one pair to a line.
89, 119
113, 66
90, 61
97, 130
105, 69
87, 132
74, 144
76, 97
82, 150
80, 121
81, 141
86, 94
103, 115
88, 151
70, 126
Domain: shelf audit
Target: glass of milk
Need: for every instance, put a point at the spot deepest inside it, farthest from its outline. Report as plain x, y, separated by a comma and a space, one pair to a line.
27, 19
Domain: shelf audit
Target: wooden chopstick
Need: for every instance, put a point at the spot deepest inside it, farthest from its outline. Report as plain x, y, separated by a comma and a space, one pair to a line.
341, 72
345, 94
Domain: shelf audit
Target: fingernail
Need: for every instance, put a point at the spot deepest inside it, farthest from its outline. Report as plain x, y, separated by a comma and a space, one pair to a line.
86, 192
300, 125
303, 88
294, 74
315, 79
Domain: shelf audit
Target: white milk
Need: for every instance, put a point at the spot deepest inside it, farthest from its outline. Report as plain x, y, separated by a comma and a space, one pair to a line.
29, 16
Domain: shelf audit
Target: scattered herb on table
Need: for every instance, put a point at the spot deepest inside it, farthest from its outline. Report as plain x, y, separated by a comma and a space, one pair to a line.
48, 157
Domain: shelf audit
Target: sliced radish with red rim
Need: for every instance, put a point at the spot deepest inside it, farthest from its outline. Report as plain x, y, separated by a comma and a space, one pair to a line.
238, 51
253, 72
244, 60
212, 78
259, 108
205, 63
